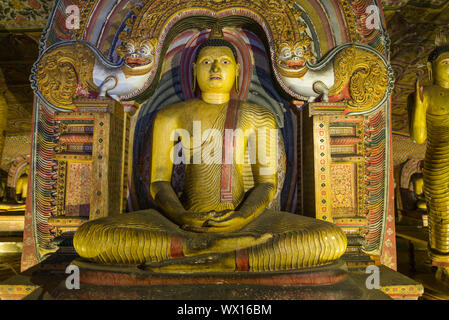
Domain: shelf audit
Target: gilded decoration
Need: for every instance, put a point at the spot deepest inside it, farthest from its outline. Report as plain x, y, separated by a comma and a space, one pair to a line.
76, 69
64, 70
363, 74
153, 16
343, 188
281, 24
350, 20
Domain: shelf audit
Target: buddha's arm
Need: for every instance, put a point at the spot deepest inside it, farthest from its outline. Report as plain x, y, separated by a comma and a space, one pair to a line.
417, 108
265, 183
264, 173
162, 166
161, 189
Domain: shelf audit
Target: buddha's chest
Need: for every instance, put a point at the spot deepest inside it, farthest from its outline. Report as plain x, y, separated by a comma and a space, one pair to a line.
439, 101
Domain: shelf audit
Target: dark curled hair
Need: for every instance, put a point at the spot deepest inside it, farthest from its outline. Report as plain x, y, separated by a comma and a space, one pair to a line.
437, 52
216, 43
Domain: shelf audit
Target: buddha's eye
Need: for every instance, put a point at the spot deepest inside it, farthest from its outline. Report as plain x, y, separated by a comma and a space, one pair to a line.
225, 61
206, 62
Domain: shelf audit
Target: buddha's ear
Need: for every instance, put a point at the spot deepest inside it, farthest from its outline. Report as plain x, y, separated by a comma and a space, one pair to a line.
237, 69
430, 71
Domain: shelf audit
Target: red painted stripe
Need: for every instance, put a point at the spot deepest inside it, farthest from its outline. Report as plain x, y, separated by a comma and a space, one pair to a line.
103, 36
176, 247
324, 19
341, 21
228, 152
323, 277
241, 260
92, 22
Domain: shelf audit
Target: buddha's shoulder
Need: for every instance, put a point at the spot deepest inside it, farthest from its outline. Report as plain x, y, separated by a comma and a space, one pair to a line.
175, 109
252, 110
251, 107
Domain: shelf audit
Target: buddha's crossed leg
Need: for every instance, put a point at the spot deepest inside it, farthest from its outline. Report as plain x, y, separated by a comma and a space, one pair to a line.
273, 241
297, 242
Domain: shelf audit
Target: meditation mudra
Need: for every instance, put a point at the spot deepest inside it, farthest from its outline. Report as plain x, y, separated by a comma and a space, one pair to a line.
214, 226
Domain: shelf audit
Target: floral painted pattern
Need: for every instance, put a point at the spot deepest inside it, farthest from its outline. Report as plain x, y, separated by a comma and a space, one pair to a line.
24, 14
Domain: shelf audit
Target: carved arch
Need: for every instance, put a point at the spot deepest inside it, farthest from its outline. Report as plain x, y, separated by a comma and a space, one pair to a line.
281, 24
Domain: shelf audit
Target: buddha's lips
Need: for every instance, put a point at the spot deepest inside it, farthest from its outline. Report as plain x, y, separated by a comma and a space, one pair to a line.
215, 78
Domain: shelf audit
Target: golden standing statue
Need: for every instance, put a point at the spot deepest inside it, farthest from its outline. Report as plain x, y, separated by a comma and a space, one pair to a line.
214, 225
429, 120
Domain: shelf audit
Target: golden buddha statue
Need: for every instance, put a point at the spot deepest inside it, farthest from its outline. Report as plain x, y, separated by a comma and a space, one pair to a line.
429, 120
214, 226
20, 194
418, 190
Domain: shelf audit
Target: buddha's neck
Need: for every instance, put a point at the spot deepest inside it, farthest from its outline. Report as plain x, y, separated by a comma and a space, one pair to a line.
215, 98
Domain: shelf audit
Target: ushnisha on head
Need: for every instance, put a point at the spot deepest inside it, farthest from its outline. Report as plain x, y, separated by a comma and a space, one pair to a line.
216, 68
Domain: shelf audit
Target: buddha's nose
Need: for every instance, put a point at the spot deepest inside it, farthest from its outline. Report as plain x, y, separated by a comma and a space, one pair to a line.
215, 67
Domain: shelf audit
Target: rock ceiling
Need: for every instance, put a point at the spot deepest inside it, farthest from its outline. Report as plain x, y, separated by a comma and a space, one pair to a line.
21, 22
411, 24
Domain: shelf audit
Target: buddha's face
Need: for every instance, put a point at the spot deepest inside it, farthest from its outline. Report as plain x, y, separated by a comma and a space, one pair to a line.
216, 70
440, 68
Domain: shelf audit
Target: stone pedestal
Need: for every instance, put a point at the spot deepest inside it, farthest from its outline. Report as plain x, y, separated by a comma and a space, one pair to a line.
99, 282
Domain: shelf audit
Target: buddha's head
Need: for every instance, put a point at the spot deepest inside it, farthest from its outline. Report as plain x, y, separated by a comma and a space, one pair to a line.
438, 66
216, 68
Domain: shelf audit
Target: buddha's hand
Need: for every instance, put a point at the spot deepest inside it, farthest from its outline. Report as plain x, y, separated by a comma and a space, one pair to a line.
419, 90
227, 222
195, 221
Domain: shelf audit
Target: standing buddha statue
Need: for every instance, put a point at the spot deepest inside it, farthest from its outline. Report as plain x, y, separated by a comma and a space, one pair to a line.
214, 226
429, 120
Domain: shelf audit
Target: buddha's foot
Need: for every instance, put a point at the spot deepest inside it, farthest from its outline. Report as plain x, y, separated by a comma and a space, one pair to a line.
195, 264
230, 243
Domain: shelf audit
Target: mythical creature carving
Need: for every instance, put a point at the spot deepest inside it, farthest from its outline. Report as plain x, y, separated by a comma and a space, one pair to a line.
350, 73
77, 69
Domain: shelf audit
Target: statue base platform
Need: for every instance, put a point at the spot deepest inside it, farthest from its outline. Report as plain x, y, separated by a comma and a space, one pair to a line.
433, 289
99, 282
112, 275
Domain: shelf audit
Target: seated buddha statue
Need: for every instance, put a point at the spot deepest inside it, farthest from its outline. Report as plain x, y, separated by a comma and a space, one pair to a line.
214, 226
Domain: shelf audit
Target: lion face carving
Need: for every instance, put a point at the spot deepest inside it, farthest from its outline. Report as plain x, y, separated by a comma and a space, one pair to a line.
138, 55
292, 57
